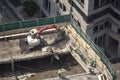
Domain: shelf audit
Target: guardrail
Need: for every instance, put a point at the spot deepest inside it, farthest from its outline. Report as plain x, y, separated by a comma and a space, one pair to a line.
35, 22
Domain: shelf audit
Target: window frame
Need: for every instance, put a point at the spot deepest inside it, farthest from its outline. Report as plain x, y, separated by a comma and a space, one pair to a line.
81, 3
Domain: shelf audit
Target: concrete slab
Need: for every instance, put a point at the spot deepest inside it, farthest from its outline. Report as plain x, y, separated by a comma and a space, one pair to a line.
17, 49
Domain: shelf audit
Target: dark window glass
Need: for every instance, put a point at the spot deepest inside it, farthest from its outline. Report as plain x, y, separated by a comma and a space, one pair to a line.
107, 24
102, 2
60, 4
71, 9
82, 1
117, 4
64, 8
101, 27
112, 1
108, 1
96, 3
49, 7
46, 4
58, 13
95, 29
79, 24
95, 40
119, 30
114, 14
103, 39
100, 41
57, 1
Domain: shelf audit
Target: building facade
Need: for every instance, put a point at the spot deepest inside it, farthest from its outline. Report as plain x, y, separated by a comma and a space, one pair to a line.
100, 19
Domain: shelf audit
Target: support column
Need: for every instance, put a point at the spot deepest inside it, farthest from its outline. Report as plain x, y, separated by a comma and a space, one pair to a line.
12, 66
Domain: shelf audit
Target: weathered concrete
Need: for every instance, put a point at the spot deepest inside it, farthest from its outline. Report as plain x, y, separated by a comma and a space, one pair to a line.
17, 49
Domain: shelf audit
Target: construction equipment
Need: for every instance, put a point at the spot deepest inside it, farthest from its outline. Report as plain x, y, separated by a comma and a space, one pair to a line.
34, 39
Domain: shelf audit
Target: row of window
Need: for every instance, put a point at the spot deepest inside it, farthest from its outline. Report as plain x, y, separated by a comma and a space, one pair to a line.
116, 3
100, 40
99, 3
101, 26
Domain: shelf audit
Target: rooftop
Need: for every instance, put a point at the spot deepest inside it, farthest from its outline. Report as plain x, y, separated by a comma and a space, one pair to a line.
74, 41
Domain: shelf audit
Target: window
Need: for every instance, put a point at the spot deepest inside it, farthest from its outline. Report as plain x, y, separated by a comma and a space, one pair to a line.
64, 7
95, 40
95, 29
72, 16
100, 40
119, 30
107, 24
45, 4
81, 2
116, 15
60, 4
107, 1
96, 3
112, 1
71, 9
117, 4
49, 6
57, 1
58, 13
102, 2
79, 24
103, 40
101, 27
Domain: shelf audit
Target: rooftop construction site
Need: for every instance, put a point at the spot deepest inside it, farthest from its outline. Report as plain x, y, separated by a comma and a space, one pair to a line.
53, 48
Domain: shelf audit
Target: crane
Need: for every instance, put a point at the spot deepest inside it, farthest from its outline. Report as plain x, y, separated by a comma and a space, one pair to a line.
34, 38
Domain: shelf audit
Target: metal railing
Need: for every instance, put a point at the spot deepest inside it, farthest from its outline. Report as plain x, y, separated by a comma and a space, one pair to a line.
35, 22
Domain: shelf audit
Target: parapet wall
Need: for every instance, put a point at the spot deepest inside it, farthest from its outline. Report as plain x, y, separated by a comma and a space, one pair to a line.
92, 50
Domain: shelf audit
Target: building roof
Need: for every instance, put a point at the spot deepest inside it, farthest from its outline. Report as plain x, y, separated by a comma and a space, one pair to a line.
18, 27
